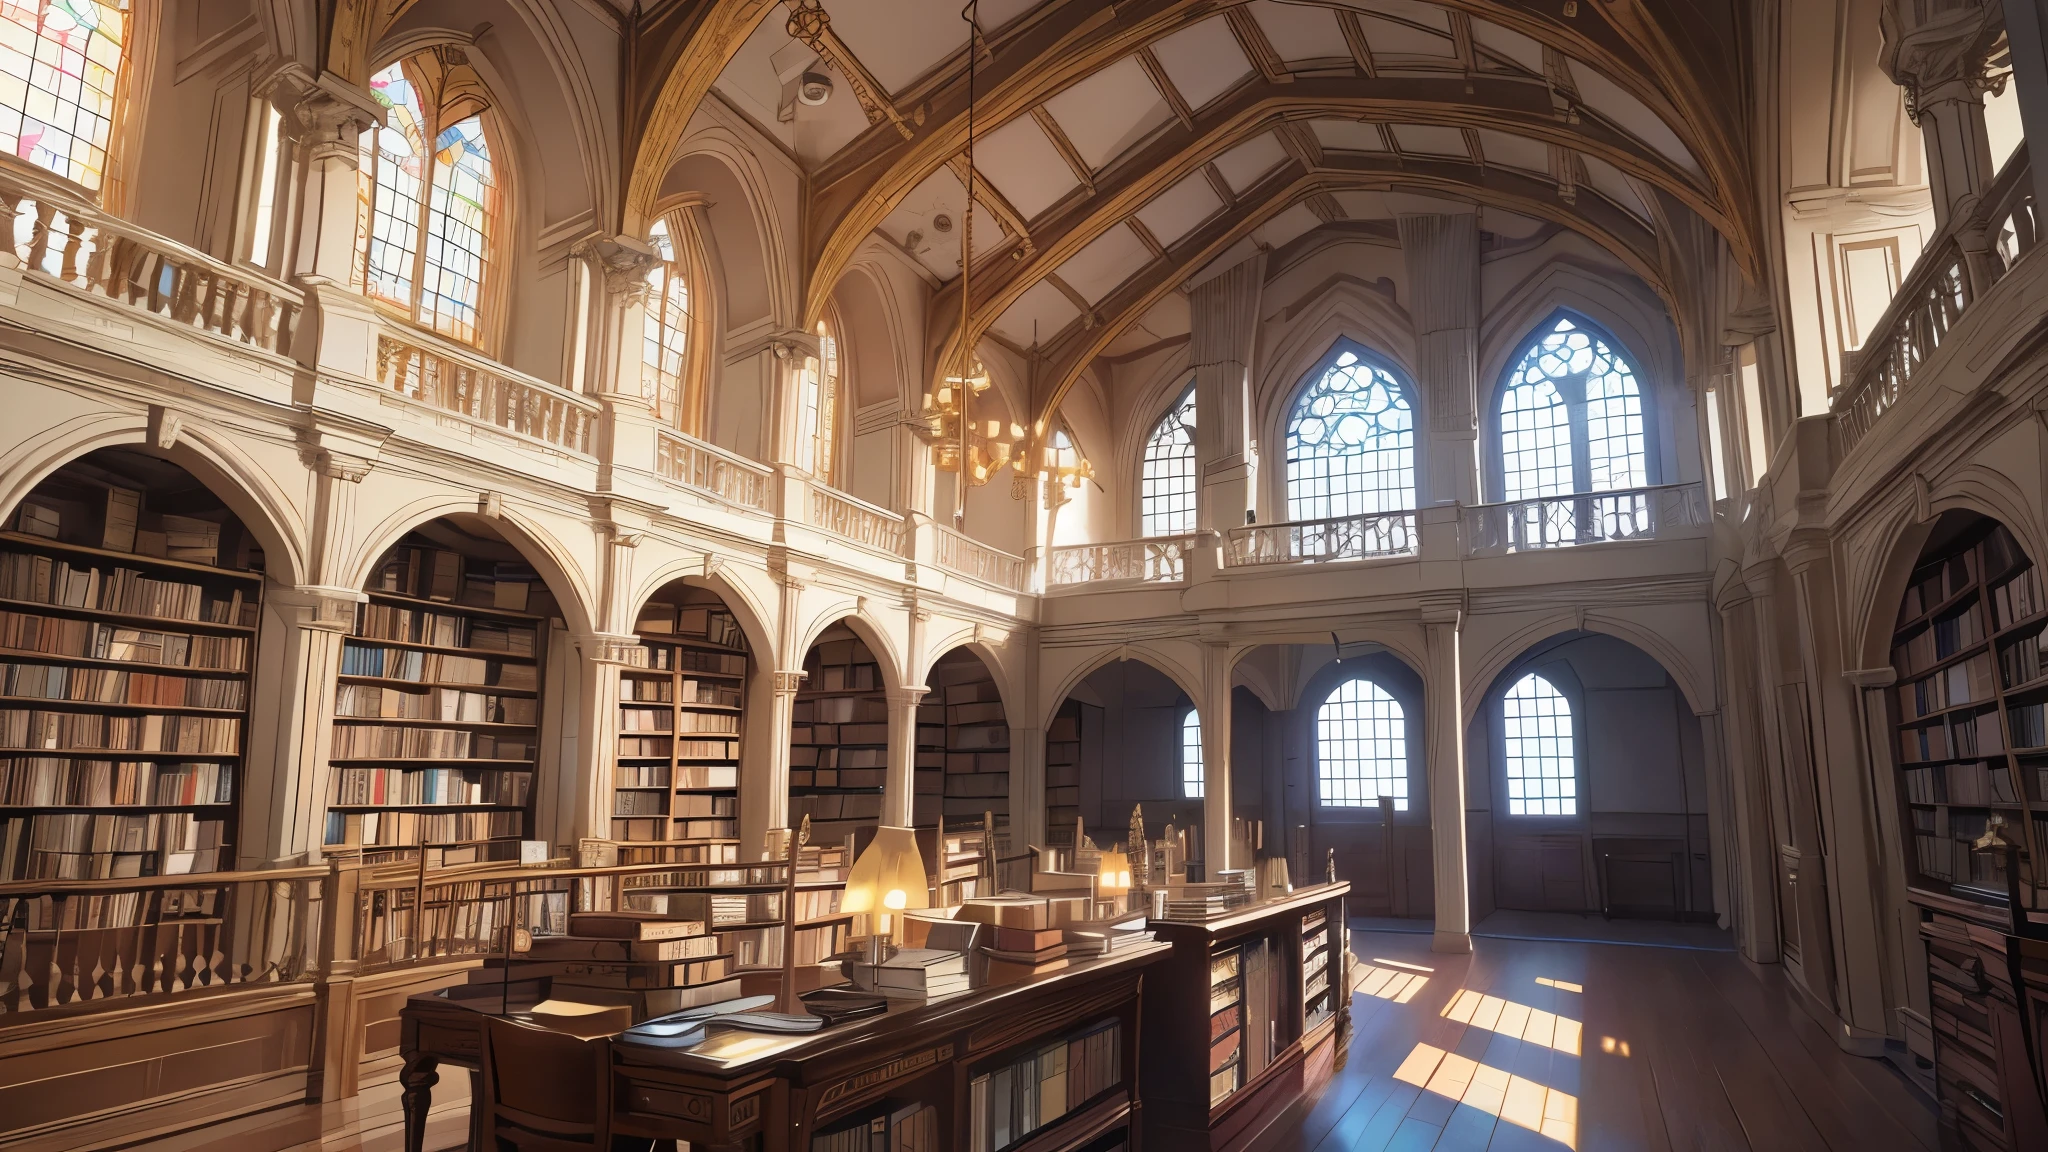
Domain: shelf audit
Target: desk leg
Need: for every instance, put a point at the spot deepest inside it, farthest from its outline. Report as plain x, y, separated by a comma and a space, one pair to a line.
418, 1077
476, 1112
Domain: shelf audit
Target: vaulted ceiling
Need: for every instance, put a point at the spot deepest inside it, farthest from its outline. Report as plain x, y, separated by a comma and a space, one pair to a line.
1121, 148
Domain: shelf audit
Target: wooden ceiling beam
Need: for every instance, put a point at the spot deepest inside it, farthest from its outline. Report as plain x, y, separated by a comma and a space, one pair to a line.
1156, 71
1064, 146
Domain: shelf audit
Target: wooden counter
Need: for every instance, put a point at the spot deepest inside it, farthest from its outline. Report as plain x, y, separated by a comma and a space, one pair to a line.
1244, 1019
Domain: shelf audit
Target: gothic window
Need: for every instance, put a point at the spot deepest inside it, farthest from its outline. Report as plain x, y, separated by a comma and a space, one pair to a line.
1167, 484
429, 197
1350, 443
819, 403
60, 67
1191, 755
1543, 773
1571, 422
666, 331
1361, 747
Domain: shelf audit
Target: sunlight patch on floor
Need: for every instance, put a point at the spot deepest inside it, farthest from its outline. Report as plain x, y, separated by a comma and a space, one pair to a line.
1389, 983
1560, 985
1519, 1021
1495, 1091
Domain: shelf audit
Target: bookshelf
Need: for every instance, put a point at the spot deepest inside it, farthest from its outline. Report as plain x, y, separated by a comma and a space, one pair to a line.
675, 777
438, 699
1969, 708
1063, 769
839, 739
129, 602
976, 780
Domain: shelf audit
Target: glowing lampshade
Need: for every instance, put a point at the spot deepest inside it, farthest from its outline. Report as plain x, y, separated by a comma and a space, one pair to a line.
888, 876
1115, 878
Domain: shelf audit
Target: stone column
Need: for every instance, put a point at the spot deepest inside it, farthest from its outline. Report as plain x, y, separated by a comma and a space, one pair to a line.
1027, 786
1441, 254
603, 655
1223, 319
1217, 660
1444, 717
1751, 843
287, 783
324, 121
900, 784
1940, 61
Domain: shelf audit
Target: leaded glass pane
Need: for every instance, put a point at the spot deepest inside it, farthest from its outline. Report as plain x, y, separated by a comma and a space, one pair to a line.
1191, 755
1543, 775
1361, 747
1350, 445
458, 231
59, 63
666, 329
1167, 486
394, 179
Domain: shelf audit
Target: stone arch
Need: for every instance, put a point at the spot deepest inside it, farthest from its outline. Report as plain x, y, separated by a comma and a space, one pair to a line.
1187, 681
555, 563
991, 657
871, 632
1696, 684
213, 458
720, 145
754, 619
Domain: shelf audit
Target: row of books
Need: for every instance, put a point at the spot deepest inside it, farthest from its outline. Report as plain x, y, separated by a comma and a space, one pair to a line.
2029, 725
62, 781
688, 825
93, 845
1966, 683
685, 776
443, 629
2020, 661
1316, 952
762, 947
647, 746
837, 777
1974, 782
117, 686
689, 723
1935, 643
55, 636
839, 734
841, 710
407, 829
1937, 584
452, 786
362, 741
849, 678
646, 690
153, 732
434, 667
813, 756
662, 658
711, 909
453, 704
45, 580
911, 1128
2018, 598
837, 806
1971, 735
711, 625
439, 574
1008, 1103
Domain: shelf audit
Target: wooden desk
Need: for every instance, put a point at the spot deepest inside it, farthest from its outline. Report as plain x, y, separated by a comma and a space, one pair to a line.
1182, 1036
447, 1027
747, 1090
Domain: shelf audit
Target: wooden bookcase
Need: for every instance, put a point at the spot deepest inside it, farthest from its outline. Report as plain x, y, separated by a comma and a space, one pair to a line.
676, 773
438, 701
127, 649
839, 739
1063, 773
977, 776
1969, 712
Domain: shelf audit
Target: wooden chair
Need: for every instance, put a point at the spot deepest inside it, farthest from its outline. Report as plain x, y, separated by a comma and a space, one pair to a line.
546, 1091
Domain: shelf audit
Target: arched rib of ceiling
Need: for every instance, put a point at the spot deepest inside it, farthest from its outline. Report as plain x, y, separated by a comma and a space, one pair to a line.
1061, 44
1182, 149
1070, 352
676, 52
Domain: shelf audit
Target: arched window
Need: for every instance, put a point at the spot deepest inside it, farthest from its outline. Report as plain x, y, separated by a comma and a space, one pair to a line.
1191, 755
667, 329
427, 211
1543, 771
1361, 747
1350, 444
1166, 501
60, 73
1571, 422
819, 405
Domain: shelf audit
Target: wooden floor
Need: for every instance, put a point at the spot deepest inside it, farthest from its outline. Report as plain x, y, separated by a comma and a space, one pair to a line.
1659, 1048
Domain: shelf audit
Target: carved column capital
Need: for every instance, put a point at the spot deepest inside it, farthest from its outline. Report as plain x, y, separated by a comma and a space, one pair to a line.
623, 262
909, 694
1948, 47
317, 608
786, 683
325, 113
611, 648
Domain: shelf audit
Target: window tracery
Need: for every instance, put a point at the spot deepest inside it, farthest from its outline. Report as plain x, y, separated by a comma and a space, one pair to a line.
1191, 755
60, 71
1350, 444
1571, 422
1167, 488
1542, 768
1361, 747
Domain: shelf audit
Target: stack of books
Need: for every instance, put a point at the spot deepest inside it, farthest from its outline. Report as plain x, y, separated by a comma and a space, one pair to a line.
1088, 941
1022, 953
655, 963
1201, 901
913, 974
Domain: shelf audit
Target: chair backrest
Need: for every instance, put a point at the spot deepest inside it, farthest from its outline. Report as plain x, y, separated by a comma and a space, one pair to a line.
544, 1089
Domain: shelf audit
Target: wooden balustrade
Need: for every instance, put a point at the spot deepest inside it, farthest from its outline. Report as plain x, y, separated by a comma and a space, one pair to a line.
445, 376
52, 234
690, 462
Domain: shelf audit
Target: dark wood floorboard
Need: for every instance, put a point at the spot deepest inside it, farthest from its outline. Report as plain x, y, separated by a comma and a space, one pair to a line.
1678, 1051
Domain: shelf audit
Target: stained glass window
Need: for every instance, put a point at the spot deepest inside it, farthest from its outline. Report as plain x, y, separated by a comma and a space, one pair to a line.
1166, 503
1350, 444
60, 61
667, 328
426, 214
1571, 421
1543, 773
1191, 755
1361, 747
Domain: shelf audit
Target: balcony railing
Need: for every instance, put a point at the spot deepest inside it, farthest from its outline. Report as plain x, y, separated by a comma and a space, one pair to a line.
68, 942
857, 520
971, 558
1360, 537
1944, 283
454, 379
52, 233
1664, 511
1152, 560
692, 463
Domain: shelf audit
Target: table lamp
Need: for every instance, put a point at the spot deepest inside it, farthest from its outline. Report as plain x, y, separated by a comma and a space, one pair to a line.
887, 877
1114, 879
